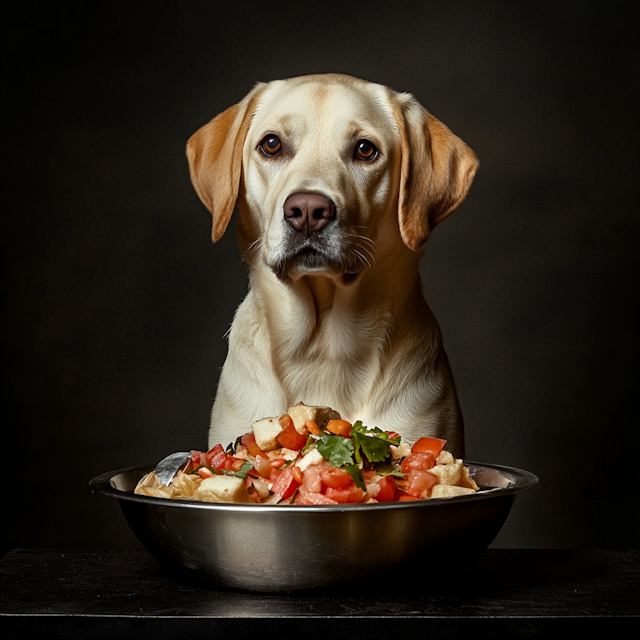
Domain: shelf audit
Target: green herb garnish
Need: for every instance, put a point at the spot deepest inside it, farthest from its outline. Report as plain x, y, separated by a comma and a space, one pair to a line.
374, 444
354, 471
338, 450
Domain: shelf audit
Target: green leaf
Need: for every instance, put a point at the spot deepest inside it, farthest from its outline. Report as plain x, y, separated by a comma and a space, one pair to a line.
244, 469
374, 444
338, 450
354, 471
390, 470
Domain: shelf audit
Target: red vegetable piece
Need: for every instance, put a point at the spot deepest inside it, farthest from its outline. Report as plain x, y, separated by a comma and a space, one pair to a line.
419, 481
422, 461
387, 489
289, 437
434, 445
216, 457
284, 484
348, 494
336, 478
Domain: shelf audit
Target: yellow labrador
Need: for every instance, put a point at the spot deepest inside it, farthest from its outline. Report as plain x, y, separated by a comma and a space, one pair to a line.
339, 183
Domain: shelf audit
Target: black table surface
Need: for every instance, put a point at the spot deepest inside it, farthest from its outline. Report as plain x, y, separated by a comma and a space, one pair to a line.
126, 594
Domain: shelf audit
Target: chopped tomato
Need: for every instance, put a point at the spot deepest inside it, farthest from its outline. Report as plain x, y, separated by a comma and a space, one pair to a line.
216, 457
290, 437
312, 480
350, 494
336, 478
278, 462
433, 445
305, 497
406, 498
423, 461
339, 427
387, 489
284, 484
419, 481
235, 464
393, 435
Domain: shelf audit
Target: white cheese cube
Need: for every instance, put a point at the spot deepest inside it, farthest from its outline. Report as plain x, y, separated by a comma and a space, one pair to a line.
265, 432
222, 489
313, 457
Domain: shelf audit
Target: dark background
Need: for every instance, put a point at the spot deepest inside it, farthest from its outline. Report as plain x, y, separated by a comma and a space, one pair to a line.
116, 303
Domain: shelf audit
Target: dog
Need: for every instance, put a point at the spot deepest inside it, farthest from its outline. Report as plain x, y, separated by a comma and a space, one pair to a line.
339, 183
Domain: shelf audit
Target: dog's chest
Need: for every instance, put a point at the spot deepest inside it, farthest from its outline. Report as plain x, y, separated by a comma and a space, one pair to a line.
332, 360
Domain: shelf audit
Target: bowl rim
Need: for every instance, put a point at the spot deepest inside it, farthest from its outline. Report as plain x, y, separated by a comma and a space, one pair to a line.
521, 480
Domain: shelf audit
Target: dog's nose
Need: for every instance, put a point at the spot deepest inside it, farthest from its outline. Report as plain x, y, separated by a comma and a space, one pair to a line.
309, 212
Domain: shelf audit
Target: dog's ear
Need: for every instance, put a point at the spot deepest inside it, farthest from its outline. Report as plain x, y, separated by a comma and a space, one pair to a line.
215, 160
436, 171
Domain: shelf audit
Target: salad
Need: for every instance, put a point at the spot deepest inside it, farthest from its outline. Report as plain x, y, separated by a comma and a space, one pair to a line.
311, 456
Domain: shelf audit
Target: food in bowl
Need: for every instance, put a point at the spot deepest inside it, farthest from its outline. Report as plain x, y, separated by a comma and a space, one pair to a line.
311, 456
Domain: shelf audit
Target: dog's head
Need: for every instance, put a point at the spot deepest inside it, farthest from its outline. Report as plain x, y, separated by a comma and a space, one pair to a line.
329, 172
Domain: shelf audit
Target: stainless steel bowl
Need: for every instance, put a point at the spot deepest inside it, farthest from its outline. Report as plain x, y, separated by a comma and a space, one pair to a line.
292, 547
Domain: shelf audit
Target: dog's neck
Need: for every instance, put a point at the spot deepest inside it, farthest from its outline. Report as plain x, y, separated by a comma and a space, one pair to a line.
318, 327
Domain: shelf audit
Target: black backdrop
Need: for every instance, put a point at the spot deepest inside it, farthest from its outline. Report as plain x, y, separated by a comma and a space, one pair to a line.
116, 303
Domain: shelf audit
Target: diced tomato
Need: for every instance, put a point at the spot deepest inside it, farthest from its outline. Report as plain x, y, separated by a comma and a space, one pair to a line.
305, 497
336, 478
339, 427
433, 445
423, 461
379, 488
216, 457
284, 484
419, 481
235, 463
406, 498
312, 480
203, 472
393, 435
278, 462
289, 437
313, 427
350, 494
387, 489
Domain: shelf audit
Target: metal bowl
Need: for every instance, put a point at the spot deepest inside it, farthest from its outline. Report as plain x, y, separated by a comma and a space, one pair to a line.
292, 547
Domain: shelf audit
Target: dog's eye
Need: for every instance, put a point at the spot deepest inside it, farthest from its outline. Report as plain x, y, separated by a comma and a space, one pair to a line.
271, 145
365, 150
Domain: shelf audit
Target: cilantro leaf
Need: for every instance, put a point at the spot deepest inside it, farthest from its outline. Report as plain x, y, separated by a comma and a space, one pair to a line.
390, 470
338, 450
354, 471
374, 444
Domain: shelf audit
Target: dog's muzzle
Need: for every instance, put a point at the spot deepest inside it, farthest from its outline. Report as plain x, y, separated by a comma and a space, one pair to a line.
310, 244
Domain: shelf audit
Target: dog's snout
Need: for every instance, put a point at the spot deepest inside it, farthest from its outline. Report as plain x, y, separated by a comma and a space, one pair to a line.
309, 212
